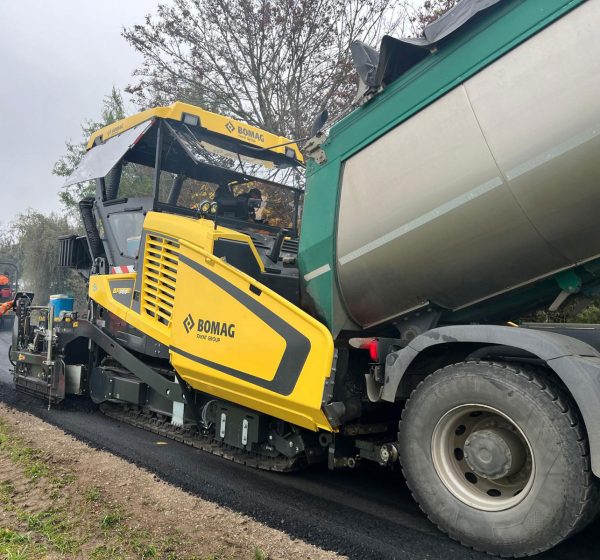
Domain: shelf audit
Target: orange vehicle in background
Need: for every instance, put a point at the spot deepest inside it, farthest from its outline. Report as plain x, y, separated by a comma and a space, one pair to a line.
6, 296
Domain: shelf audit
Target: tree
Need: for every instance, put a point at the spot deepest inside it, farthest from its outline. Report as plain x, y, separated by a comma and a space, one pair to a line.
9, 252
271, 63
428, 12
33, 237
112, 110
136, 179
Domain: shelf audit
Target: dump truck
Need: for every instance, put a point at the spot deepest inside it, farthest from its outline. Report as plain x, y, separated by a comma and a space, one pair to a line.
458, 196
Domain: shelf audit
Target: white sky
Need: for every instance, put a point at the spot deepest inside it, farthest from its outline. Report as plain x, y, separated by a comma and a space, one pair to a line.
58, 59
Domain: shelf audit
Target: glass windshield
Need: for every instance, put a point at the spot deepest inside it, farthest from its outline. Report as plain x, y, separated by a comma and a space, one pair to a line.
127, 229
252, 200
197, 173
202, 145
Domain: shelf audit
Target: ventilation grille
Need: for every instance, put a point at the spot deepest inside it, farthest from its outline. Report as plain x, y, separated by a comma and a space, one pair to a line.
161, 259
290, 246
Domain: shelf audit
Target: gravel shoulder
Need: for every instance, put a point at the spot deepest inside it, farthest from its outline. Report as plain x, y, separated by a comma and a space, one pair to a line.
59, 498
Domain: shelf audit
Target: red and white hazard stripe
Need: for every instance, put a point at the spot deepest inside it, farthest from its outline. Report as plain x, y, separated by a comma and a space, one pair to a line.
121, 269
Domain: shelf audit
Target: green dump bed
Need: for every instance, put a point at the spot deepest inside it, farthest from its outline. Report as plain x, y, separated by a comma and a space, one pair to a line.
470, 182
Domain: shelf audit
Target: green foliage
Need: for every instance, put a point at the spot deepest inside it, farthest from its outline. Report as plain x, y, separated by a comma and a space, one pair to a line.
111, 519
28, 458
8, 536
92, 494
6, 492
136, 180
53, 524
591, 314
8, 250
113, 109
18, 546
35, 248
70, 520
62, 480
259, 554
104, 552
577, 309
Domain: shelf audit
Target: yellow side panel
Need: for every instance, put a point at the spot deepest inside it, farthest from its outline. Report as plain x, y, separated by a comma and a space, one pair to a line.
229, 335
234, 338
104, 289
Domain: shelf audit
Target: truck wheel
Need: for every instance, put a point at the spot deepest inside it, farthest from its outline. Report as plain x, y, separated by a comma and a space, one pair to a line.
497, 457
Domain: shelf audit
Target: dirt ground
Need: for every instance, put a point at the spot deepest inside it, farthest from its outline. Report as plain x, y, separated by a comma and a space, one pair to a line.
59, 498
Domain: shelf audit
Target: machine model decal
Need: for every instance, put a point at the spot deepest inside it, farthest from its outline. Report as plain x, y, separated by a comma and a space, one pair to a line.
297, 345
121, 291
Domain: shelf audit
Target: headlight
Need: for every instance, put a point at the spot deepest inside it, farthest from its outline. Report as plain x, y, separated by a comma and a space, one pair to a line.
205, 206
214, 207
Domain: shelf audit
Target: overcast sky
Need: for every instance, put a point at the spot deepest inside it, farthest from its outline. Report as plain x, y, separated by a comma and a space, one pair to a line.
58, 59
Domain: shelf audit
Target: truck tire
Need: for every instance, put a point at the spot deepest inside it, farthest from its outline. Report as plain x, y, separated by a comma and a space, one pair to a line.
496, 455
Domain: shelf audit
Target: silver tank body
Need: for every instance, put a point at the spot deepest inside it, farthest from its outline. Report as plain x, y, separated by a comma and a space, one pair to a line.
494, 185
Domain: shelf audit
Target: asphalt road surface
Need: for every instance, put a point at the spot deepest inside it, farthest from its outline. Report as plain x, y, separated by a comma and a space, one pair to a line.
362, 513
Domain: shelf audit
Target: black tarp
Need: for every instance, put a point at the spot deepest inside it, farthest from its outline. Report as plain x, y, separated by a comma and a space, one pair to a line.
396, 56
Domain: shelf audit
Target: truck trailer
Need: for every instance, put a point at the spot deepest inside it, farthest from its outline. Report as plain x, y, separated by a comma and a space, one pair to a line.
374, 316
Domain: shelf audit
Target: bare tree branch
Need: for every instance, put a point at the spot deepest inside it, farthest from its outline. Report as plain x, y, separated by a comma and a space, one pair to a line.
271, 63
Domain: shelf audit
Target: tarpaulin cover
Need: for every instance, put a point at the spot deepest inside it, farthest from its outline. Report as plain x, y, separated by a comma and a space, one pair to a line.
103, 157
396, 56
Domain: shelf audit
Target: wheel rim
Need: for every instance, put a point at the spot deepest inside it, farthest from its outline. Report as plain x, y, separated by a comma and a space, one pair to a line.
483, 457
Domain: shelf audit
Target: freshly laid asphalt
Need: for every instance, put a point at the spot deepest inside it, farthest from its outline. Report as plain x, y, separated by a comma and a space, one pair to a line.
362, 513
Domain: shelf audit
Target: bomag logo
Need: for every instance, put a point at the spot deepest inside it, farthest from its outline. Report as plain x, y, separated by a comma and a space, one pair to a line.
188, 323
250, 134
209, 330
247, 133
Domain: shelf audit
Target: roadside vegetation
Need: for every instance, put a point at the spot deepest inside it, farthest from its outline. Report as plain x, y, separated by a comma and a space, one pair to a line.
46, 511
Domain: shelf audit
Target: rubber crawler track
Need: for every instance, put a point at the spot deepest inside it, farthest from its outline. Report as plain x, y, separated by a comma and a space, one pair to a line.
193, 438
